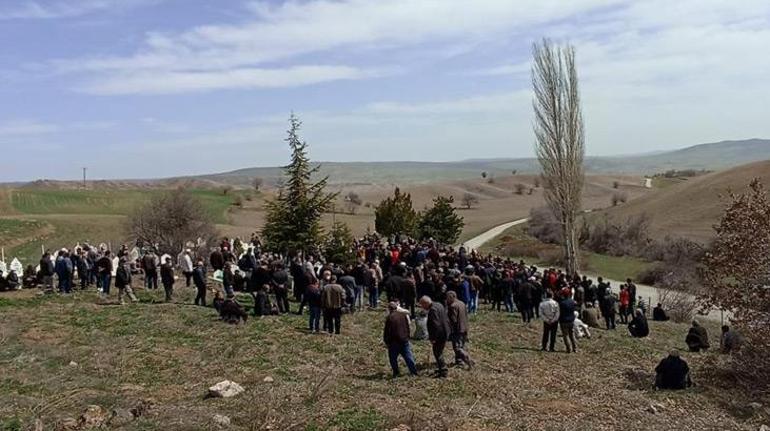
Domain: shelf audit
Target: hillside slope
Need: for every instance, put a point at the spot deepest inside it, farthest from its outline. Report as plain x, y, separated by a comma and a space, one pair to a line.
714, 156
693, 207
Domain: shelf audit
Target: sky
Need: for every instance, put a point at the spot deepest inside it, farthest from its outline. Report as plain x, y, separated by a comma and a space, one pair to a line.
157, 88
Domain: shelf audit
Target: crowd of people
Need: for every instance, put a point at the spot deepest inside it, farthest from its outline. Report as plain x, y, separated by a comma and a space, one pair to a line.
424, 284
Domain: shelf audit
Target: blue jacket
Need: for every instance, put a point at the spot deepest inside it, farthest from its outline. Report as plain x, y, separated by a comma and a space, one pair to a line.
567, 309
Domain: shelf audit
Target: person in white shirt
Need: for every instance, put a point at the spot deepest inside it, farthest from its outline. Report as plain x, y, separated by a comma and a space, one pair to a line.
549, 312
186, 266
581, 329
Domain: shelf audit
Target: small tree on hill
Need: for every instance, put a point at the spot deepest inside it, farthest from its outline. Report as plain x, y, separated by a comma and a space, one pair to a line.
484, 174
293, 221
519, 188
441, 222
258, 183
352, 201
737, 277
339, 246
469, 199
171, 219
395, 215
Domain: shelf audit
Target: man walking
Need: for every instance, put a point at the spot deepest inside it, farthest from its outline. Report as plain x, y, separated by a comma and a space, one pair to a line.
150, 267
104, 265
167, 278
199, 278
186, 266
438, 332
396, 338
549, 312
123, 281
332, 300
458, 322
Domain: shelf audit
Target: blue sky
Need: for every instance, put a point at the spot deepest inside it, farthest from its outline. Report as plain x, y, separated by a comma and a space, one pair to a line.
150, 88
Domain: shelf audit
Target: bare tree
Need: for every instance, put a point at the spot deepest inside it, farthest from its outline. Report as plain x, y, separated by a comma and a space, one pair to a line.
258, 183
519, 188
560, 138
352, 202
171, 219
469, 200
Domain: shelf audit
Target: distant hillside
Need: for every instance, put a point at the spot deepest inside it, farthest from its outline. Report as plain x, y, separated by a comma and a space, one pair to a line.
693, 207
715, 156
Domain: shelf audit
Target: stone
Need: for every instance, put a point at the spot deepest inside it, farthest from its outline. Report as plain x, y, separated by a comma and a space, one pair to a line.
401, 427
754, 406
225, 389
221, 420
67, 424
121, 417
73, 364
652, 409
38, 425
143, 407
94, 417
764, 428
268, 379
129, 387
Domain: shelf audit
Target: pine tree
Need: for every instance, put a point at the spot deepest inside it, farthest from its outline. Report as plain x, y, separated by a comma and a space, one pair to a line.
441, 222
293, 221
395, 215
339, 246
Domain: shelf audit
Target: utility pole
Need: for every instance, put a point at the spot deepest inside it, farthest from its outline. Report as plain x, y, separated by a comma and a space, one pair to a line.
84, 177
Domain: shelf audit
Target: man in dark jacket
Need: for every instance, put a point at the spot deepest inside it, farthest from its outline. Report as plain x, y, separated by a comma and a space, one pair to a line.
104, 266
64, 271
672, 373
524, 296
199, 279
217, 260
123, 281
396, 337
697, 338
332, 300
438, 332
47, 270
458, 322
150, 268
659, 314
167, 278
567, 308
638, 327
280, 284
231, 311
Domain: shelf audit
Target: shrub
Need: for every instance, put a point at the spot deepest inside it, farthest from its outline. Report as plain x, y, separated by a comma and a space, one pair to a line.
615, 184
618, 198
680, 306
544, 226
519, 188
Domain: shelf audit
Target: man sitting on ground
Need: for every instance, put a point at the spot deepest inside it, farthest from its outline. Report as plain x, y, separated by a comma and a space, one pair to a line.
638, 327
231, 311
672, 373
659, 314
697, 338
591, 315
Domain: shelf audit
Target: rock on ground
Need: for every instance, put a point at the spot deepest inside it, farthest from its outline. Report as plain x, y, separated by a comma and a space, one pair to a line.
225, 389
221, 420
93, 417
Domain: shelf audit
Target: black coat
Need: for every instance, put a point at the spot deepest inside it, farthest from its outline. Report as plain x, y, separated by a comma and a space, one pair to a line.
672, 373
638, 327
438, 323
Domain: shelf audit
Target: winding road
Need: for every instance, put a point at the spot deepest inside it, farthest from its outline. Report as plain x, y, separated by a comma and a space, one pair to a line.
648, 293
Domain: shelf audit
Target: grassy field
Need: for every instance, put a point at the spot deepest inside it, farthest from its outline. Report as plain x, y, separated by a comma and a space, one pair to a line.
106, 202
13, 230
518, 244
166, 355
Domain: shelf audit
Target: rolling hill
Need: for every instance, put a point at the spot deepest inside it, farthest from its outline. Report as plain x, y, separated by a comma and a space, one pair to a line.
714, 156
692, 207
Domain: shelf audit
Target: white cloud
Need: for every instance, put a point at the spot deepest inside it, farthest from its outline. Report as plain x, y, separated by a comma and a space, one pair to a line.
66, 8
25, 128
284, 32
170, 82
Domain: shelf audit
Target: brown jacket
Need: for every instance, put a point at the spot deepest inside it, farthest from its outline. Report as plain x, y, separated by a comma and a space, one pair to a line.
332, 296
396, 330
458, 317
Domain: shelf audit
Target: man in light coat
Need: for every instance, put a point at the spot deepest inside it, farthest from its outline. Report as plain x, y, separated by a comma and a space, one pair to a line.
549, 312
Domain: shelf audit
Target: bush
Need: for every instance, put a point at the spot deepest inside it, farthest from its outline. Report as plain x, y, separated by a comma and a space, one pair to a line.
680, 306
618, 198
519, 188
626, 238
544, 226
615, 184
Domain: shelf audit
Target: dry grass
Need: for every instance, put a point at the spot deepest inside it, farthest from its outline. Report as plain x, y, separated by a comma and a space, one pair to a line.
691, 208
170, 354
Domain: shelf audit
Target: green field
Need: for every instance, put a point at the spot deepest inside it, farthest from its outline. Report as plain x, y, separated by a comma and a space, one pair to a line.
166, 355
63, 218
106, 202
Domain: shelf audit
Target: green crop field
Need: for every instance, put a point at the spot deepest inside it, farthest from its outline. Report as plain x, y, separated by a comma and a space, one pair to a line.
107, 202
